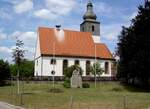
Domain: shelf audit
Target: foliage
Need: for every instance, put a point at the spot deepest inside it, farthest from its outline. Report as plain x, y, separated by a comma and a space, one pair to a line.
18, 52
69, 70
26, 68
55, 90
85, 85
133, 49
66, 83
96, 69
4, 72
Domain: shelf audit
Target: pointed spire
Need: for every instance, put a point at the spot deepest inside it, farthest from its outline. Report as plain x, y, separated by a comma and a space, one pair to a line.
89, 15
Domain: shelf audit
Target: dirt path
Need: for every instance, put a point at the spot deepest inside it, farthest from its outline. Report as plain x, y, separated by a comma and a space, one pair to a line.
4, 105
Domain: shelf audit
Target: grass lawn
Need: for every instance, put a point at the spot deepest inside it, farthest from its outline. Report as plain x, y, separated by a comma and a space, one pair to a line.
107, 95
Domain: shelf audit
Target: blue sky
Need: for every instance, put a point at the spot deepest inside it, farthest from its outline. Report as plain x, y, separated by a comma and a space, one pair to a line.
21, 18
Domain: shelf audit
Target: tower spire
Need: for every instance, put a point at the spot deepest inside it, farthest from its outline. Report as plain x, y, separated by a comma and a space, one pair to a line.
90, 15
90, 24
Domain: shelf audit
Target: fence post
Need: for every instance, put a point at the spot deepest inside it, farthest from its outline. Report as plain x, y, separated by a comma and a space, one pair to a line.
71, 102
124, 102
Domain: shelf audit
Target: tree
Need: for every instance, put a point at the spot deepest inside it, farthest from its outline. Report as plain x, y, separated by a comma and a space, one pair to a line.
4, 72
96, 69
69, 70
133, 49
18, 55
26, 69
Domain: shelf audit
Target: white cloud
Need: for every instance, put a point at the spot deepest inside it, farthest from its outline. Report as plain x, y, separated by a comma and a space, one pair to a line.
5, 50
24, 6
28, 37
54, 9
110, 32
102, 7
45, 14
62, 7
6, 53
2, 35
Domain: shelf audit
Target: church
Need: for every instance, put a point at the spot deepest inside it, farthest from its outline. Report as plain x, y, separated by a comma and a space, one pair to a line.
58, 48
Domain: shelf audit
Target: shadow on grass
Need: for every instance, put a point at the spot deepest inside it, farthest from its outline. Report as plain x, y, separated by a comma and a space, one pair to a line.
27, 93
135, 88
55, 90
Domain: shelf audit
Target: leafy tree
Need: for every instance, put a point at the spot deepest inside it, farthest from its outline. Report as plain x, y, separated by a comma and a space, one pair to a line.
96, 69
69, 70
4, 72
133, 49
18, 52
26, 69
13, 69
18, 55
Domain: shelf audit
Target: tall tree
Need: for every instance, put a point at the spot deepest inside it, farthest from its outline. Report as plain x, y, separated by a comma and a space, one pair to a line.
26, 69
133, 49
4, 72
18, 55
96, 69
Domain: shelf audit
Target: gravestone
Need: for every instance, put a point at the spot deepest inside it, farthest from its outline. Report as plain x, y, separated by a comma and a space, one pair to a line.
76, 79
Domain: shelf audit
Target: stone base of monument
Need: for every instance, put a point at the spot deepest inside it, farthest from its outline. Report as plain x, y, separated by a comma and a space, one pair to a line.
76, 80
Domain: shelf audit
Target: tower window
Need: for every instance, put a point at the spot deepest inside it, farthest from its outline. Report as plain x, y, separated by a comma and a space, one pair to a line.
93, 29
82, 28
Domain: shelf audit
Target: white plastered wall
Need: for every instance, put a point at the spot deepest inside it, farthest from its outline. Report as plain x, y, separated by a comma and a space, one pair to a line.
45, 68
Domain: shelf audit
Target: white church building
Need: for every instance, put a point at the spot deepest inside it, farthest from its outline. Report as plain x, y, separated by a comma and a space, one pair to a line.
57, 48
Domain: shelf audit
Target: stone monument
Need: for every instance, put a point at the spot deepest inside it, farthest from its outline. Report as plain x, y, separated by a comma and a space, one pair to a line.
76, 79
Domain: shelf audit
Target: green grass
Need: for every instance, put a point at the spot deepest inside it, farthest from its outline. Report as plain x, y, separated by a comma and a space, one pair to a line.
107, 95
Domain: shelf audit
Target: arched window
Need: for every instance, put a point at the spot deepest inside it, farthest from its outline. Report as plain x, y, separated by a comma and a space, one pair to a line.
88, 67
93, 29
106, 68
65, 65
53, 61
76, 62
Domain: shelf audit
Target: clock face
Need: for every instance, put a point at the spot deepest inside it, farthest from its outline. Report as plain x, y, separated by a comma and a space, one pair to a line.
53, 72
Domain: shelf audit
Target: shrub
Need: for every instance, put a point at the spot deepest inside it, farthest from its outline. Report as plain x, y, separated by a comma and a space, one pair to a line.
55, 90
86, 85
117, 89
4, 72
69, 70
66, 83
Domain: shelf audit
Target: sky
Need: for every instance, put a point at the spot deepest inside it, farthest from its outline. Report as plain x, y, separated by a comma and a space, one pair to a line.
21, 19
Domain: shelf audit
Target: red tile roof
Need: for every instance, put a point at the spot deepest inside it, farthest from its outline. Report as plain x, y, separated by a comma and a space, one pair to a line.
75, 44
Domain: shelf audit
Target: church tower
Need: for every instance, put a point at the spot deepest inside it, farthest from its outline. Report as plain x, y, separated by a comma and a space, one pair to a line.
90, 24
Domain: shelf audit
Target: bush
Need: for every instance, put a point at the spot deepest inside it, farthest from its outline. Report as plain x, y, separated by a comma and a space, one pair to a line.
4, 72
86, 85
69, 70
55, 90
66, 83
117, 89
